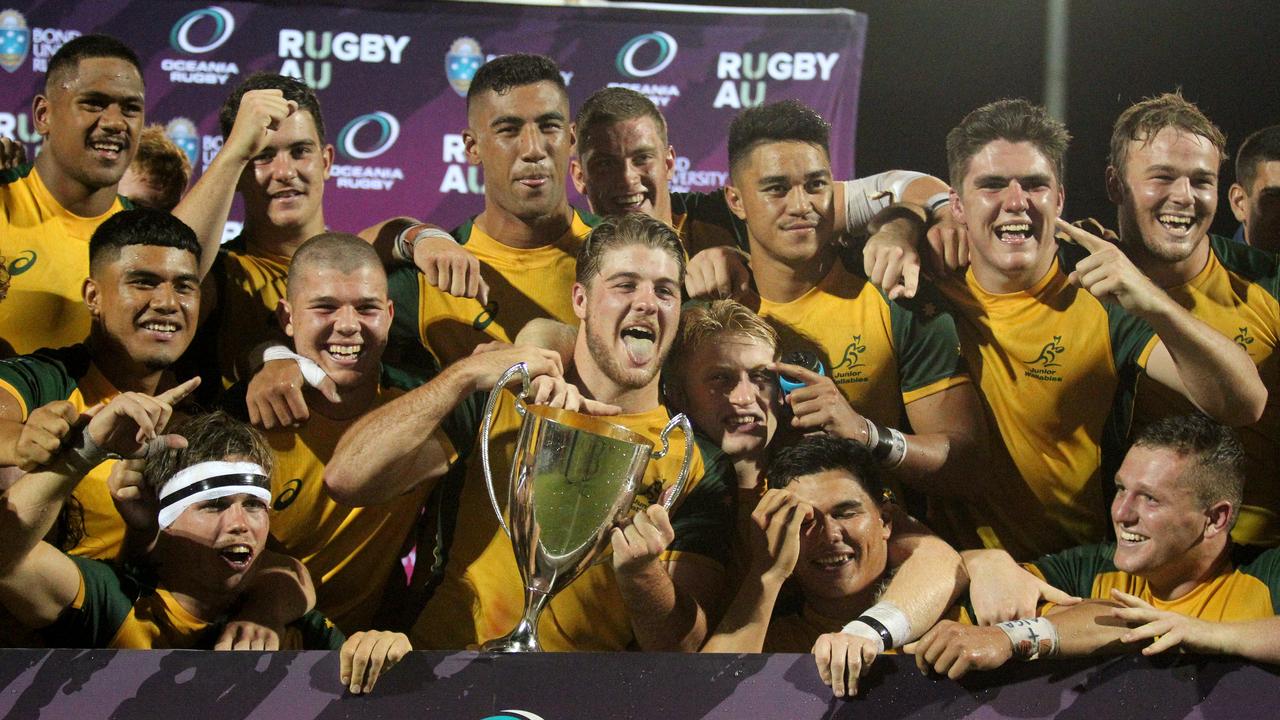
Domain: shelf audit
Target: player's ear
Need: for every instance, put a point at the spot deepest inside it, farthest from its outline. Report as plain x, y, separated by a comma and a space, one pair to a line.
580, 300
92, 298
1115, 186
1239, 201
1218, 519
579, 175
469, 143
284, 315
733, 199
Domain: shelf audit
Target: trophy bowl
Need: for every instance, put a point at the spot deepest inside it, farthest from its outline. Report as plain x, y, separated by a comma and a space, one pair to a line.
573, 478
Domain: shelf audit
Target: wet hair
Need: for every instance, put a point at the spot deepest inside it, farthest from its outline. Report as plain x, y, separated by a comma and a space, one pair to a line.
1260, 147
211, 436
501, 74
785, 121
162, 161
624, 230
1217, 472
821, 452
139, 226
1012, 120
702, 323
1142, 120
294, 90
86, 47
343, 252
610, 106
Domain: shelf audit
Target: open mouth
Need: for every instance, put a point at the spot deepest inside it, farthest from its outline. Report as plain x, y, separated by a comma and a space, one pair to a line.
640, 341
1130, 537
835, 562
1179, 224
239, 556
107, 149
286, 194
345, 354
165, 329
629, 203
743, 423
1014, 233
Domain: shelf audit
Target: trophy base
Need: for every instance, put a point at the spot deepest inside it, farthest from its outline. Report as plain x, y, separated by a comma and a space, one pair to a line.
512, 644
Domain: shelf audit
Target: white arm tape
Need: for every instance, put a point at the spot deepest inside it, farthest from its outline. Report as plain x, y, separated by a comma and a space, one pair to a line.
1031, 639
311, 372
887, 616
886, 188
402, 248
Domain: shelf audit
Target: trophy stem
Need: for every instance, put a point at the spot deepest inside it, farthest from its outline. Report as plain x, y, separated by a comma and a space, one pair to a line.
524, 638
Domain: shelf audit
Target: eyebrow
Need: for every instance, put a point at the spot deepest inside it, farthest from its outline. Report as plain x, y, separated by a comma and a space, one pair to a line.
848, 505
337, 301
1032, 179
517, 120
145, 274
629, 275
815, 175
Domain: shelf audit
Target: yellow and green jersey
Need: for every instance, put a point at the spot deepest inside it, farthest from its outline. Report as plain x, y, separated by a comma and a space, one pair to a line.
1057, 368
882, 354
1248, 589
46, 250
350, 552
1236, 294
123, 608
480, 595
69, 374
703, 220
523, 284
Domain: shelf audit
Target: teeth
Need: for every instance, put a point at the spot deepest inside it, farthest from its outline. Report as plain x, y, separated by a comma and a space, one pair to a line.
1016, 228
1131, 537
630, 199
834, 560
161, 327
640, 332
345, 350
1179, 220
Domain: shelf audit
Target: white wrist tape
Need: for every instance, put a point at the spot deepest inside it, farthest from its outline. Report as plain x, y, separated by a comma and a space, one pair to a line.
81, 452
896, 182
402, 249
1031, 639
311, 372
936, 201
883, 622
210, 481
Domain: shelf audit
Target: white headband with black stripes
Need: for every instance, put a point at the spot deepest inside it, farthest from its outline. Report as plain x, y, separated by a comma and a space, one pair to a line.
209, 481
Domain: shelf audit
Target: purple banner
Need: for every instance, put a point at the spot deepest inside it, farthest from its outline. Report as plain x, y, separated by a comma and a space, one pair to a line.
393, 83
552, 686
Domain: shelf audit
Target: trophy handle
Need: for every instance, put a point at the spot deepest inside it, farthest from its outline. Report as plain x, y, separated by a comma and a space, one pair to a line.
486, 428
682, 422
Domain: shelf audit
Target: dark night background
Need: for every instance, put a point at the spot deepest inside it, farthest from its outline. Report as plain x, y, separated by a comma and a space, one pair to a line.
928, 62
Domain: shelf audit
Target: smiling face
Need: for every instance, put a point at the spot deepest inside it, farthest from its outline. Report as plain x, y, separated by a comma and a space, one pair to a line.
630, 311
1167, 190
783, 191
1160, 525
145, 302
729, 393
340, 320
283, 186
216, 542
90, 120
844, 551
1008, 202
626, 169
522, 138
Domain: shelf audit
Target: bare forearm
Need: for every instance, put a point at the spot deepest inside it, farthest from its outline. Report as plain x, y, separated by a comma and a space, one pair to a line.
746, 622
394, 447
206, 207
281, 591
1219, 377
1088, 629
662, 617
383, 237
1256, 640
10, 431
926, 583
31, 506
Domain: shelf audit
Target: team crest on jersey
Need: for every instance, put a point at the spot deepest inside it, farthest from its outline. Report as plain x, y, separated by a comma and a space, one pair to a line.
183, 133
461, 63
15, 40
849, 368
650, 494
1044, 364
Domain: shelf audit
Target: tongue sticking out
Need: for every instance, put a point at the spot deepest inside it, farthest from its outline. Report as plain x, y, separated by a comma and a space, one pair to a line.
639, 346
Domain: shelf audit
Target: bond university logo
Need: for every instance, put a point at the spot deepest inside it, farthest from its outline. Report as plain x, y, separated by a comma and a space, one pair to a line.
461, 63
15, 40
202, 31
364, 138
183, 134
1043, 366
849, 367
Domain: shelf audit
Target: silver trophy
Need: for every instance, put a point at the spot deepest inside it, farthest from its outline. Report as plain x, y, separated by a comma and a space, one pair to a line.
573, 477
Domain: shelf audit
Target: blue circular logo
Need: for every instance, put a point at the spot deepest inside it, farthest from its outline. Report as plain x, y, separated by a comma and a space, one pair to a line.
388, 132
224, 23
667, 48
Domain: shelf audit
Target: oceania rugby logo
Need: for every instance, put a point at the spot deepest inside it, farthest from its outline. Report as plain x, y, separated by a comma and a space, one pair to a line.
224, 23
183, 134
514, 715
388, 132
15, 39
667, 48
461, 63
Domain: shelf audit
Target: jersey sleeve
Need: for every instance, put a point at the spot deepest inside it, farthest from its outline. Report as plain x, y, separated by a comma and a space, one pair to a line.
42, 377
100, 608
703, 523
406, 347
708, 221
317, 632
1072, 571
926, 344
1265, 566
1258, 266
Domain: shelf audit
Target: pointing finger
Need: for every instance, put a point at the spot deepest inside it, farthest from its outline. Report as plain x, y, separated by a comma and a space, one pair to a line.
1081, 237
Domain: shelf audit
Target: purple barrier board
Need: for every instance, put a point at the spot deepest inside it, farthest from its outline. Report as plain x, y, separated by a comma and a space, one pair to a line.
392, 83
469, 686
